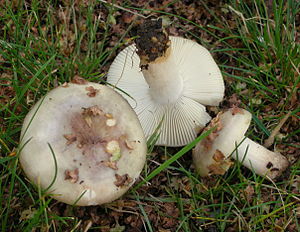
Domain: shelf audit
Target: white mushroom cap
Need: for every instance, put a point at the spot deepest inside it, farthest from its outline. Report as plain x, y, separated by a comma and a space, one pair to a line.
97, 140
210, 155
186, 79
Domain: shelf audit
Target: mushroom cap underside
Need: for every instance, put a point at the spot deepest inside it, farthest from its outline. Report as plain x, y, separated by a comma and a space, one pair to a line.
203, 81
203, 84
97, 142
210, 155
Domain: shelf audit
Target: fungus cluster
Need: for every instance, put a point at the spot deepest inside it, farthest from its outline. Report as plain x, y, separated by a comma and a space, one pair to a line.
97, 142
85, 145
167, 79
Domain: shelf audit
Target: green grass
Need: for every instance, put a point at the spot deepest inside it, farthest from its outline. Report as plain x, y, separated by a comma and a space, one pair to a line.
43, 45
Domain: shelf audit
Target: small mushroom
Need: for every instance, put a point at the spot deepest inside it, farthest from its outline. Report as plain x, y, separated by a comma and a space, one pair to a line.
211, 155
90, 153
169, 79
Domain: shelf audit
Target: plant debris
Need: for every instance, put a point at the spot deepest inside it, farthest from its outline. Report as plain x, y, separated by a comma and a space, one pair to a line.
91, 91
110, 164
70, 138
79, 80
123, 180
72, 175
92, 111
191, 19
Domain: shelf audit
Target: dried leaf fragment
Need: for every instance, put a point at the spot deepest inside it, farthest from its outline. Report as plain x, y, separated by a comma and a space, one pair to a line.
219, 168
79, 80
88, 120
110, 164
91, 91
72, 175
215, 122
236, 110
108, 115
218, 156
269, 141
92, 111
123, 180
71, 138
65, 85
216, 168
248, 193
129, 144
13, 153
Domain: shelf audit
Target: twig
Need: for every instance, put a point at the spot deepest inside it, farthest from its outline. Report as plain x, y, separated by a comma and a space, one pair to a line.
275, 188
269, 141
88, 226
122, 8
76, 226
240, 14
122, 211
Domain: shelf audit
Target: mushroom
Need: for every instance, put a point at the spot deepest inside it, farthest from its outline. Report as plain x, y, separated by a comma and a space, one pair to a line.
212, 154
170, 79
88, 127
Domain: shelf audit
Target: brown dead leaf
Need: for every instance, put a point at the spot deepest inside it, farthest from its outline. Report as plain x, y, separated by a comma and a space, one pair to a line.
92, 111
128, 17
91, 91
216, 169
88, 121
218, 156
110, 164
123, 180
130, 144
234, 100
248, 193
72, 175
65, 85
236, 110
70, 138
172, 213
79, 80
269, 141
221, 166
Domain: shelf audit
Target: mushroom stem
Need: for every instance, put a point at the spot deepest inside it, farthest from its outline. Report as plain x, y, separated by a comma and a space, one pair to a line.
259, 159
158, 65
165, 83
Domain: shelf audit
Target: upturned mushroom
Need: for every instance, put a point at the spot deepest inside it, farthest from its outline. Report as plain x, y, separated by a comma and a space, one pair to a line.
83, 143
169, 79
212, 154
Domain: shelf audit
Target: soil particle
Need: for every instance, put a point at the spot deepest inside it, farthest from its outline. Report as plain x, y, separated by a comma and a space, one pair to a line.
152, 41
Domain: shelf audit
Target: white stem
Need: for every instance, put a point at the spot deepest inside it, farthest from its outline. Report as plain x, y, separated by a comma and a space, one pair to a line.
164, 80
260, 160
